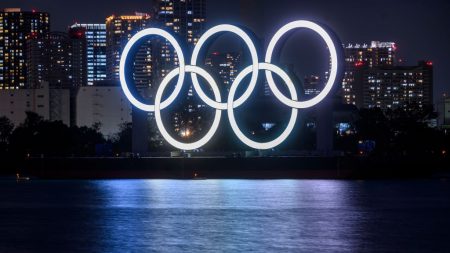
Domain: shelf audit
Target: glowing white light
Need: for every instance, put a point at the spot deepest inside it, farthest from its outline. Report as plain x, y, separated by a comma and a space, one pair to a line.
254, 55
334, 63
140, 35
230, 104
159, 123
235, 127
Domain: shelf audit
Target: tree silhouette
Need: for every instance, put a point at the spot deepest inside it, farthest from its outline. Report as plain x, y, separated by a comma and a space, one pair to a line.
6, 128
37, 137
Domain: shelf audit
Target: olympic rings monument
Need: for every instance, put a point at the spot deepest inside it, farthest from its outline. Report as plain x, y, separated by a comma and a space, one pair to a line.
231, 102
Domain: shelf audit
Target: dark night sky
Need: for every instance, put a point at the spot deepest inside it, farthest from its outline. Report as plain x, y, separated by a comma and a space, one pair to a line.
421, 28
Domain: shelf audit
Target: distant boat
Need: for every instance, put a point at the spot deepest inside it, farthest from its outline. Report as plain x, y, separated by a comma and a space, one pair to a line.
196, 177
19, 178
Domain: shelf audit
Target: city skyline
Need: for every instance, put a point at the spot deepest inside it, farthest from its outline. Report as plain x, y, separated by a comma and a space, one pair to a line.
224, 125
73, 52
396, 23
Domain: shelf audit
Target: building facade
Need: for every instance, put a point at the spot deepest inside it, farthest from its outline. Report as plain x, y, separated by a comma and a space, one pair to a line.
359, 57
95, 35
119, 29
398, 87
37, 62
225, 67
58, 58
78, 57
444, 112
372, 79
106, 105
16, 27
185, 18
59, 64
51, 104
312, 85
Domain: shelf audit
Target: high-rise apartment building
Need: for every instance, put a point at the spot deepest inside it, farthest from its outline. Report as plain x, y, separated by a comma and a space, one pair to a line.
78, 56
372, 79
16, 27
443, 109
185, 17
58, 58
399, 87
37, 61
187, 20
119, 29
95, 36
224, 66
359, 57
60, 64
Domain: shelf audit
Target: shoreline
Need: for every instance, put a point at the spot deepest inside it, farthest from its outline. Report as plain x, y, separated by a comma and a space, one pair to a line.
231, 168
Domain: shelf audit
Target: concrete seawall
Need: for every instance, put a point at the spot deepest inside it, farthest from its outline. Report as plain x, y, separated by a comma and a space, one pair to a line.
224, 167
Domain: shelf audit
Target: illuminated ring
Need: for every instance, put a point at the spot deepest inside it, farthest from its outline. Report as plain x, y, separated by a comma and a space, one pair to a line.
235, 127
230, 103
181, 68
159, 123
255, 62
334, 63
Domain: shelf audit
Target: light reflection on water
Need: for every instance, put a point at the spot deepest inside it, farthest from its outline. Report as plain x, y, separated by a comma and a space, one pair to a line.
223, 216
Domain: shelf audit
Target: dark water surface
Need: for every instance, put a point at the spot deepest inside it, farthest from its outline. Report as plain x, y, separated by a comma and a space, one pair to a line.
224, 216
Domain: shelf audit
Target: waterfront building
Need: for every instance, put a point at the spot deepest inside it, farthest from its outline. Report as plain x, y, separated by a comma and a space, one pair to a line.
359, 57
16, 27
95, 48
103, 105
405, 87
119, 29
50, 103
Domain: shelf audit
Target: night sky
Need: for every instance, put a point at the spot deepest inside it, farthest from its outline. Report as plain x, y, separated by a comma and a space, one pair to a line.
421, 28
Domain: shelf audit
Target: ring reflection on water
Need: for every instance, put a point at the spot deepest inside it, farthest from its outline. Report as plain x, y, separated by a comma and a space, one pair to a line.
223, 216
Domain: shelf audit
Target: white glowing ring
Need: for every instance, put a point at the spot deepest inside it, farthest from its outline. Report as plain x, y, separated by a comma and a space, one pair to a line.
235, 127
254, 54
334, 63
123, 59
159, 123
230, 103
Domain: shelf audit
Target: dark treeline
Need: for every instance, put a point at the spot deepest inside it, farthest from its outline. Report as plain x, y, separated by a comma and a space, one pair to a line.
394, 133
37, 137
